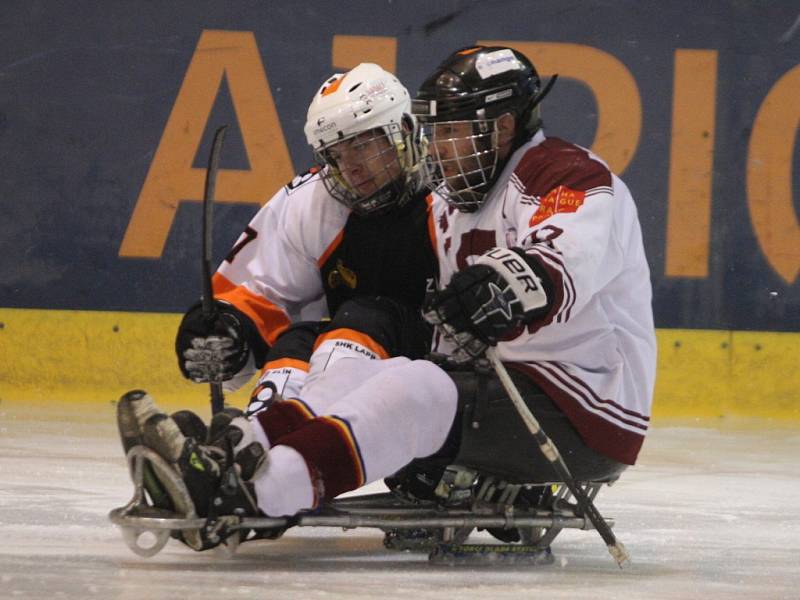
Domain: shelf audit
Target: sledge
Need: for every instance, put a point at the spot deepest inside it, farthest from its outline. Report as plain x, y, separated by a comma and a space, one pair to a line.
465, 501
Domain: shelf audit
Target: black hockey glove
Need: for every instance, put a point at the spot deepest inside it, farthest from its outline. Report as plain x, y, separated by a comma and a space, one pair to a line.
489, 301
213, 351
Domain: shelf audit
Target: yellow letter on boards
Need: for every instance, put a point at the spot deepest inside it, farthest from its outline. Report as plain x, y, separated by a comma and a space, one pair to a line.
769, 176
691, 163
172, 179
619, 106
351, 50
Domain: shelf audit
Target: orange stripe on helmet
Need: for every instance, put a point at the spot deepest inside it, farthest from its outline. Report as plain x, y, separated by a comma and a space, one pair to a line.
469, 51
332, 87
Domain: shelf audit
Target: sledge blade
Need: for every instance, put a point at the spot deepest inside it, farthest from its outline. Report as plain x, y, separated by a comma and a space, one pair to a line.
491, 554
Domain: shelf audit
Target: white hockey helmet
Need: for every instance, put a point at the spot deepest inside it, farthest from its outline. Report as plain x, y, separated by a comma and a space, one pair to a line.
352, 105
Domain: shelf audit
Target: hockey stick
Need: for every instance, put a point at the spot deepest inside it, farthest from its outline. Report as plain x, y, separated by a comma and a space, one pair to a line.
548, 448
209, 310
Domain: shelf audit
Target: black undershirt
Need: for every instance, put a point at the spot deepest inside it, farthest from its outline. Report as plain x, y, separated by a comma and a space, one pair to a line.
388, 255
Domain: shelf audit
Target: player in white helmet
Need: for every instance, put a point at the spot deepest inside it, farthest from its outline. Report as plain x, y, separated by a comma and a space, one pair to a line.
351, 233
330, 405
360, 126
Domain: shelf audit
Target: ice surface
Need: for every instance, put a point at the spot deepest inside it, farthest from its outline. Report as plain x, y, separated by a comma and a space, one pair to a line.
708, 513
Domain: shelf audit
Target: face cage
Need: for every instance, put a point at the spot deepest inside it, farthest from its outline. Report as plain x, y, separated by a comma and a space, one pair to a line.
395, 191
471, 172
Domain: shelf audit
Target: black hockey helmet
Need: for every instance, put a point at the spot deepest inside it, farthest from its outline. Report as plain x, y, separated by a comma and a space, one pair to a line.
478, 84
483, 82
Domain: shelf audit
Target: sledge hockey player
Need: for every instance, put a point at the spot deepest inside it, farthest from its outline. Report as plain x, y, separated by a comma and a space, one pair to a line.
356, 233
349, 240
540, 255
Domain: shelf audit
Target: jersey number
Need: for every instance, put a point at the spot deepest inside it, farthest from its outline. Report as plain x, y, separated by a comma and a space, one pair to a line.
300, 180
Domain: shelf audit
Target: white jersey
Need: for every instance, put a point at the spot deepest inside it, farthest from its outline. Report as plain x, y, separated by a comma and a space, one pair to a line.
273, 270
304, 254
594, 353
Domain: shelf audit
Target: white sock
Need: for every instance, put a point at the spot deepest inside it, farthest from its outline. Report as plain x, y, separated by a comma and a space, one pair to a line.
259, 434
285, 488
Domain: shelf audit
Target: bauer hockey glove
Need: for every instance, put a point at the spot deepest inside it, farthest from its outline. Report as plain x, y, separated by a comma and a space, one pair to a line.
489, 301
213, 350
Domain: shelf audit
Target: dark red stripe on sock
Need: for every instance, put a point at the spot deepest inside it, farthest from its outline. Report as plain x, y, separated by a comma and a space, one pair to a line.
283, 417
328, 446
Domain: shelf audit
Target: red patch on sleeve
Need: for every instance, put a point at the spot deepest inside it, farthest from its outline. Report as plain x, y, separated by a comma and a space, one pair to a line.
559, 200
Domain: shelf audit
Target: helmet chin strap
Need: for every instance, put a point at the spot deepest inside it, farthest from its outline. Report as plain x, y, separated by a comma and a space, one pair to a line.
545, 90
396, 187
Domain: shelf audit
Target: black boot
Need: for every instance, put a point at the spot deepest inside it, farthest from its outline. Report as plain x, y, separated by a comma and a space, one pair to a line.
191, 425
133, 409
193, 480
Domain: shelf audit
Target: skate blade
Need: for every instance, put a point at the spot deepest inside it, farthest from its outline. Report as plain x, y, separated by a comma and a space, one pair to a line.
491, 554
144, 462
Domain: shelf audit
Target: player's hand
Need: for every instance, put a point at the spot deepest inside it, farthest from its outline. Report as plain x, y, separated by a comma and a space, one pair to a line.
489, 301
212, 351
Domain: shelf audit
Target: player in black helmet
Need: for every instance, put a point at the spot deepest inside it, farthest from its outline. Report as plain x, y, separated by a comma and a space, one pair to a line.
542, 258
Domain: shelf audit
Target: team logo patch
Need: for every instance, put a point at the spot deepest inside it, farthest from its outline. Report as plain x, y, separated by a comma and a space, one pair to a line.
560, 200
494, 63
342, 275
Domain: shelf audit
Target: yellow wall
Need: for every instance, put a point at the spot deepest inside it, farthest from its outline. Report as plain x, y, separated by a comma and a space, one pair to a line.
90, 357
727, 373
93, 356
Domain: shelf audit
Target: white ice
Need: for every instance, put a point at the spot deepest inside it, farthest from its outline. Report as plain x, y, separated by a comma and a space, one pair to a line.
707, 513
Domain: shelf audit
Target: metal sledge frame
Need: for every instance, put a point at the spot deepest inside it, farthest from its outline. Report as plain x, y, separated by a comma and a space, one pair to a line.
147, 529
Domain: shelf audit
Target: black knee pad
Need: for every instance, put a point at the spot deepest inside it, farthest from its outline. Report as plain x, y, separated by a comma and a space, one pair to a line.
400, 330
297, 341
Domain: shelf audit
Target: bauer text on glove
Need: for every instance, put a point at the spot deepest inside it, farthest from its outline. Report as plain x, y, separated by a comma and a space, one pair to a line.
493, 298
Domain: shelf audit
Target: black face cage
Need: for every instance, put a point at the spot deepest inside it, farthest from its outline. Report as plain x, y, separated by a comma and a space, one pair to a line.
464, 167
395, 157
